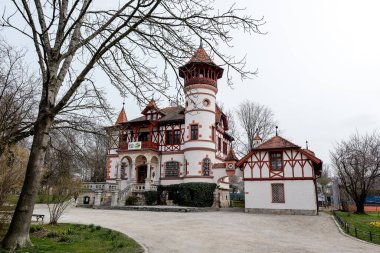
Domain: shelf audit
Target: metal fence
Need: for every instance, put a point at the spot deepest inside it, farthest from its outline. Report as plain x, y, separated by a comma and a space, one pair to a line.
354, 231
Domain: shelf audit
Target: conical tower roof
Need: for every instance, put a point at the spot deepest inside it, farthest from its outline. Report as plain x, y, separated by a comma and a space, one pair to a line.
122, 117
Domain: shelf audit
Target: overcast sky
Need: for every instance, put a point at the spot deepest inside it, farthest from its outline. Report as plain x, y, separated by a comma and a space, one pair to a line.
318, 68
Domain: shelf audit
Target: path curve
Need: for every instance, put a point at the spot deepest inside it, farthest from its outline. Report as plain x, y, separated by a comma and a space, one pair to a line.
230, 232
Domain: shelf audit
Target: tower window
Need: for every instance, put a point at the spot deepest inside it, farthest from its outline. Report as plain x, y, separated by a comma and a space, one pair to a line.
219, 143
206, 167
194, 132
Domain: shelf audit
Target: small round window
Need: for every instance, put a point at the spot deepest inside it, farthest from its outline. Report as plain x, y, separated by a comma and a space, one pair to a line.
206, 102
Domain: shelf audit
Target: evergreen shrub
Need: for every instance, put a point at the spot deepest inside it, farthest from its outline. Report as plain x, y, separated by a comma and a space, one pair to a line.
188, 194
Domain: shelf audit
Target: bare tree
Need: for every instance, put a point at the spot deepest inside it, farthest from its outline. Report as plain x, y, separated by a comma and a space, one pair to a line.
60, 182
17, 97
71, 38
357, 163
255, 120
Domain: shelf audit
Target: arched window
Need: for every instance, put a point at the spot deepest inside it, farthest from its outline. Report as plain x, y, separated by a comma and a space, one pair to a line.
206, 167
172, 169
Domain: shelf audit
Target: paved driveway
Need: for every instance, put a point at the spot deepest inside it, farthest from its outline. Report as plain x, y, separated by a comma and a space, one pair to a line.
228, 232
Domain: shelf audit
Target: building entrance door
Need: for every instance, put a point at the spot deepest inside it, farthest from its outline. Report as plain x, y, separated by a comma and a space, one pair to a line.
142, 173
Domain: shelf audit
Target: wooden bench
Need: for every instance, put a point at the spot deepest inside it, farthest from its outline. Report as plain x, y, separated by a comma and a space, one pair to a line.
38, 217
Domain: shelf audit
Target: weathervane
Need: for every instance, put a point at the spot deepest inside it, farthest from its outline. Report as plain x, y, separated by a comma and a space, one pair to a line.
276, 130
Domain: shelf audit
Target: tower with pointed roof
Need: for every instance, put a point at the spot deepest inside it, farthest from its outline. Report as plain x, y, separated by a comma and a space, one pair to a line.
200, 76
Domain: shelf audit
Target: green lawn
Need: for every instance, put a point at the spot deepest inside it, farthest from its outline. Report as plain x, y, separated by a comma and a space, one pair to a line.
79, 238
362, 223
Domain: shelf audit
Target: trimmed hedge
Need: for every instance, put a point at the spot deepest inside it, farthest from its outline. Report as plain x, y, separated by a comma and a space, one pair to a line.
150, 197
188, 194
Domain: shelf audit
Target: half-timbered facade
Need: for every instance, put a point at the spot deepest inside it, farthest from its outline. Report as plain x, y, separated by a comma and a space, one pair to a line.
279, 177
176, 144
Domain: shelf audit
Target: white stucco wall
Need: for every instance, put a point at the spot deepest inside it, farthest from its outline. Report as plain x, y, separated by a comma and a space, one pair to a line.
299, 195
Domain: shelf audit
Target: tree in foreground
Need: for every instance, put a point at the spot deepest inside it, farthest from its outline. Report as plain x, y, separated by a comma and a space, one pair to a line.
135, 42
357, 164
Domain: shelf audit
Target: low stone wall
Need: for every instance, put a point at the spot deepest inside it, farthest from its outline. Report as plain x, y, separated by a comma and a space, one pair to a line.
281, 211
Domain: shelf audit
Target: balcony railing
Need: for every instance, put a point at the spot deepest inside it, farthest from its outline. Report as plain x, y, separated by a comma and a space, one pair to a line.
99, 186
144, 145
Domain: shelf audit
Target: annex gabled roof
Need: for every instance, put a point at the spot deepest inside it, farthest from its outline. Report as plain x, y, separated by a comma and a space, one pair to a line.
122, 117
275, 143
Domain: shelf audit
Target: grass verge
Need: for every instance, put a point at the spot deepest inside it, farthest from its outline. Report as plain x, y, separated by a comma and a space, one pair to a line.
79, 238
367, 225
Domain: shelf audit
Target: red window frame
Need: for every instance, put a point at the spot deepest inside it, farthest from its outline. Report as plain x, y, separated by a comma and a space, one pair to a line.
274, 159
173, 137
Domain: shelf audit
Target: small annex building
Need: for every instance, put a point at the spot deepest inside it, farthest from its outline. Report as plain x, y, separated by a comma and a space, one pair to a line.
280, 177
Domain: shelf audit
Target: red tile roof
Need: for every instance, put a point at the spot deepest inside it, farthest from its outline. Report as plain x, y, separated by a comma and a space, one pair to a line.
201, 56
276, 142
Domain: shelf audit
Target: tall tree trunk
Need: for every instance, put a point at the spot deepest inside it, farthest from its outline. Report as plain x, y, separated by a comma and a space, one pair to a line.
18, 233
359, 206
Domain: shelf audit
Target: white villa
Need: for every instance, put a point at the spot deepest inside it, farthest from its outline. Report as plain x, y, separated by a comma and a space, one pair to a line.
171, 145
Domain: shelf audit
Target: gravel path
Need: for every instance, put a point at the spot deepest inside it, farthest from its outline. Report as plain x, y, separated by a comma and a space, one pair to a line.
206, 232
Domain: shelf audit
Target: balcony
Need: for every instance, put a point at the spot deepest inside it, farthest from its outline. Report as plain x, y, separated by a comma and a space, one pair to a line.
137, 145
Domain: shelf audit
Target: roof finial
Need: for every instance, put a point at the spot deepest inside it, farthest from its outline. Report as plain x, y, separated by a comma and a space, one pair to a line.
201, 43
276, 131
307, 145
123, 102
